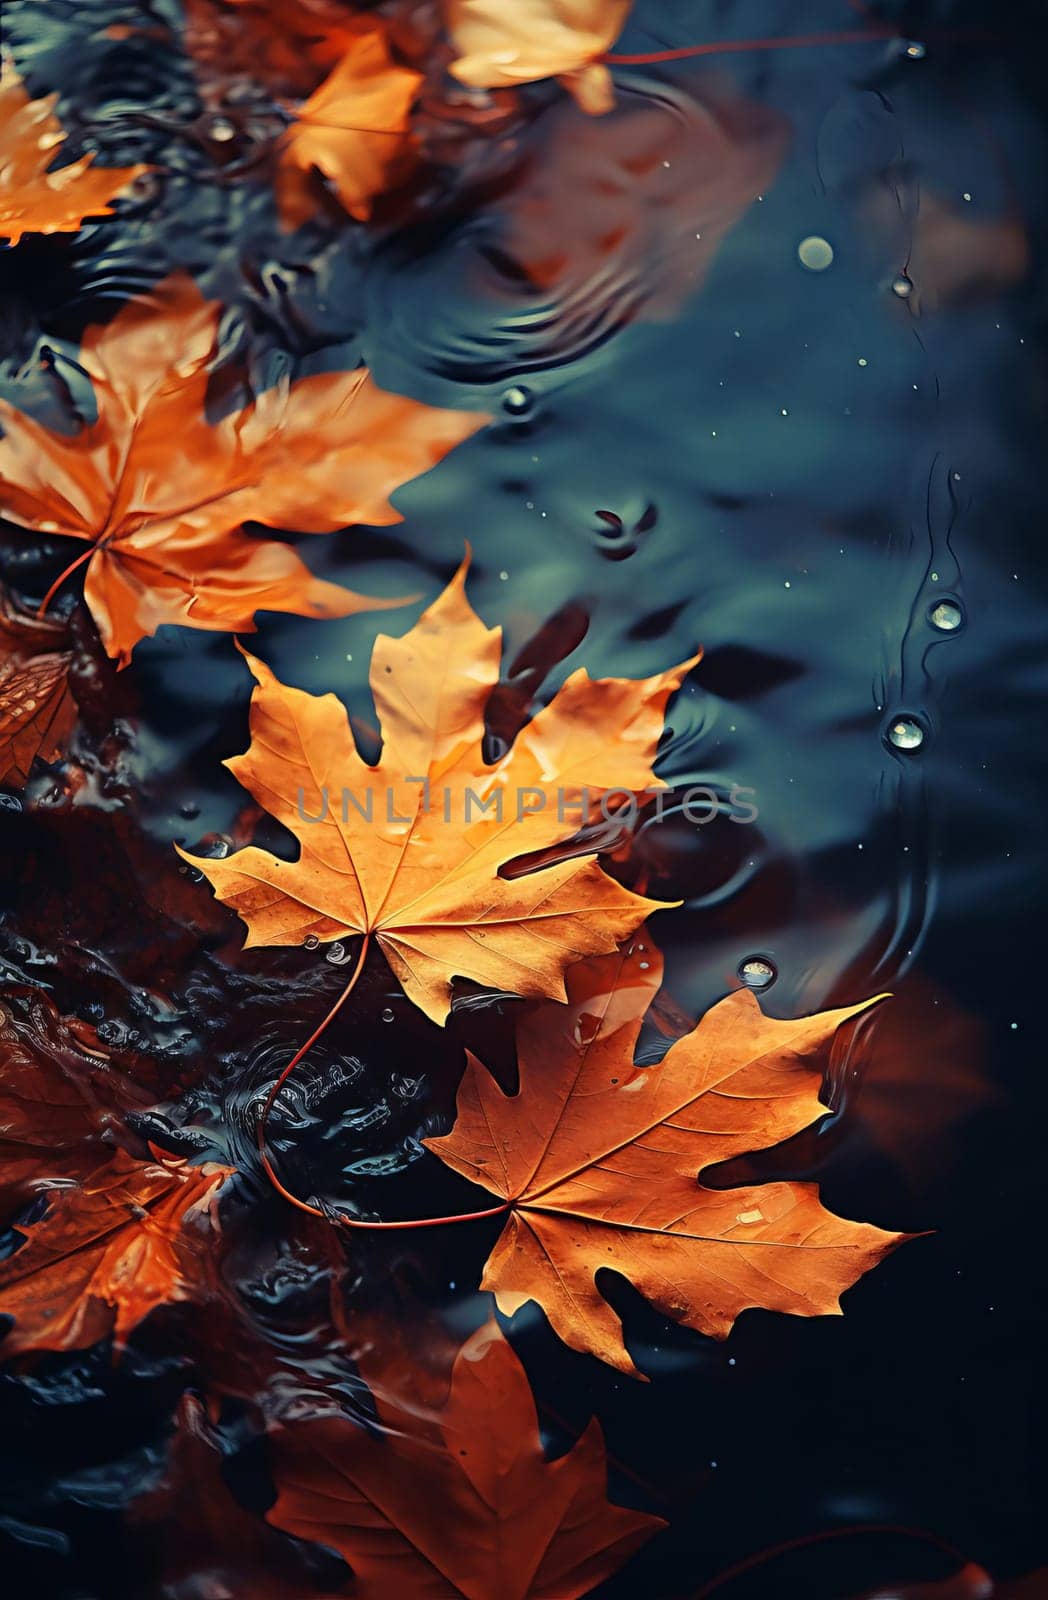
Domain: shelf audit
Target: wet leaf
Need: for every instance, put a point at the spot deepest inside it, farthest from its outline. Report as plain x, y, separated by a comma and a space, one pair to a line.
33, 198
603, 1163
37, 710
505, 42
355, 129
196, 1526
624, 217
167, 545
58, 1092
286, 44
453, 1505
125, 1240
403, 849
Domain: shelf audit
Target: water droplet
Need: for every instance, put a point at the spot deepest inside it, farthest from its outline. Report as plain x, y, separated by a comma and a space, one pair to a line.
756, 972
902, 286
388, 1014
221, 130
906, 733
518, 401
310, 942
947, 616
915, 50
815, 253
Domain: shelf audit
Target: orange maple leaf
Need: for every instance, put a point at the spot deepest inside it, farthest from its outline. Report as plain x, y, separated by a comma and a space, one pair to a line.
32, 198
599, 1161
107, 1253
37, 711
463, 1504
405, 850
505, 42
165, 532
355, 129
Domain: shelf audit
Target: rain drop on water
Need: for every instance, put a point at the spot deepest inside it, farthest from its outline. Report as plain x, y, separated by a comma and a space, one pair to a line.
388, 1014
946, 615
906, 733
221, 130
815, 253
518, 401
756, 972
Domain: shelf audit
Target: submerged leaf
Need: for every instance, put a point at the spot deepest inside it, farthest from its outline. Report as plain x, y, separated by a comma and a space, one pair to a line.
37, 710
461, 1504
108, 1251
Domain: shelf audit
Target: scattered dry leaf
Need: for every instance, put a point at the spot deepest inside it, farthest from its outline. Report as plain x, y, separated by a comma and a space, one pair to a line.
355, 129
422, 871
600, 1160
32, 198
167, 543
461, 1505
107, 1253
37, 711
501, 43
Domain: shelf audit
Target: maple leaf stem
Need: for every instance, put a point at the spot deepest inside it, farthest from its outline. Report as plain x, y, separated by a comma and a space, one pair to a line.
788, 42
62, 576
858, 1531
270, 1171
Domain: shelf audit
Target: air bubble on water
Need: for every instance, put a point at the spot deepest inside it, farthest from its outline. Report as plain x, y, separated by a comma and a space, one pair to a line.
310, 942
389, 1014
902, 286
815, 253
947, 616
336, 954
221, 130
756, 972
906, 733
517, 400
915, 50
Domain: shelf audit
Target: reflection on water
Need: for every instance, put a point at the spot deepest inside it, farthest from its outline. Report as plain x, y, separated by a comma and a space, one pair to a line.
764, 348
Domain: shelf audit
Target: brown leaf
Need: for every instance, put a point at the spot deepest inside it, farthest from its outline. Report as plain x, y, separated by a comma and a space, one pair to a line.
624, 217
461, 1504
355, 129
286, 44
169, 546
37, 710
34, 199
600, 1158
58, 1093
506, 42
201, 1534
402, 849
108, 1252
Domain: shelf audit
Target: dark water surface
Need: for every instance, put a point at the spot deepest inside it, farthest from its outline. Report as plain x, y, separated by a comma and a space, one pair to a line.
692, 445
